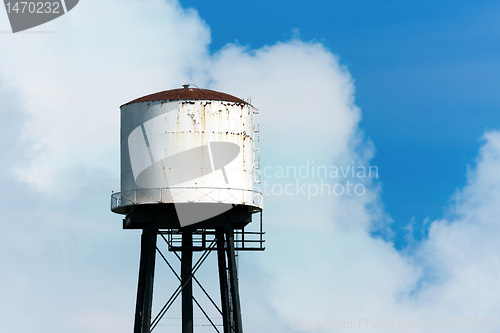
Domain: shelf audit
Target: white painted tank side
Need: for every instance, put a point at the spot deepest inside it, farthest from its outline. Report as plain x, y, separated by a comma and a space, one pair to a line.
187, 151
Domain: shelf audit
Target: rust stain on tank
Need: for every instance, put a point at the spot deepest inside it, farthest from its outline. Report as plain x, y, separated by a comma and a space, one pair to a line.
180, 109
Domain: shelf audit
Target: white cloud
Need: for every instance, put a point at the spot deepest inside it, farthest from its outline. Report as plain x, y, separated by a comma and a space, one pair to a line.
71, 82
339, 274
321, 259
299, 86
461, 253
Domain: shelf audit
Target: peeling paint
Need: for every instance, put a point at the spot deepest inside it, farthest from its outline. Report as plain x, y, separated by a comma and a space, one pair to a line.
195, 123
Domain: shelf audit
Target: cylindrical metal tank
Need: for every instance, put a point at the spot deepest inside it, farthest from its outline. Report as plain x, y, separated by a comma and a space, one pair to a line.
189, 147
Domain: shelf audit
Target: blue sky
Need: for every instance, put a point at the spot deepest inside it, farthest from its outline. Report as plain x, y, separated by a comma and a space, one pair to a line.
426, 74
407, 86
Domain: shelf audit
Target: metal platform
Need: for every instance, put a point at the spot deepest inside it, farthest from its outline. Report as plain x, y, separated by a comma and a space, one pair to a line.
244, 240
124, 202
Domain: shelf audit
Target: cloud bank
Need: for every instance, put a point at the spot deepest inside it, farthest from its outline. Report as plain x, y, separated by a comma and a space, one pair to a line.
71, 268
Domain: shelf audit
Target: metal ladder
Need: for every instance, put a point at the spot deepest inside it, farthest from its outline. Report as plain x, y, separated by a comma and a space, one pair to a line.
256, 146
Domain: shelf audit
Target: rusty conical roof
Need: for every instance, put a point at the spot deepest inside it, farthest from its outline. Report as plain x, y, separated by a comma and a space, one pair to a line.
187, 93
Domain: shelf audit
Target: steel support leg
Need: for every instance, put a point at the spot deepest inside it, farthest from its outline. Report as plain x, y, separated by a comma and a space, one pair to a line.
187, 281
233, 280
146, 280
224, 290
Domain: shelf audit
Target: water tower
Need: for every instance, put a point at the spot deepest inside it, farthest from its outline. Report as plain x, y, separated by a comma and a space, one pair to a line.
189, 162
